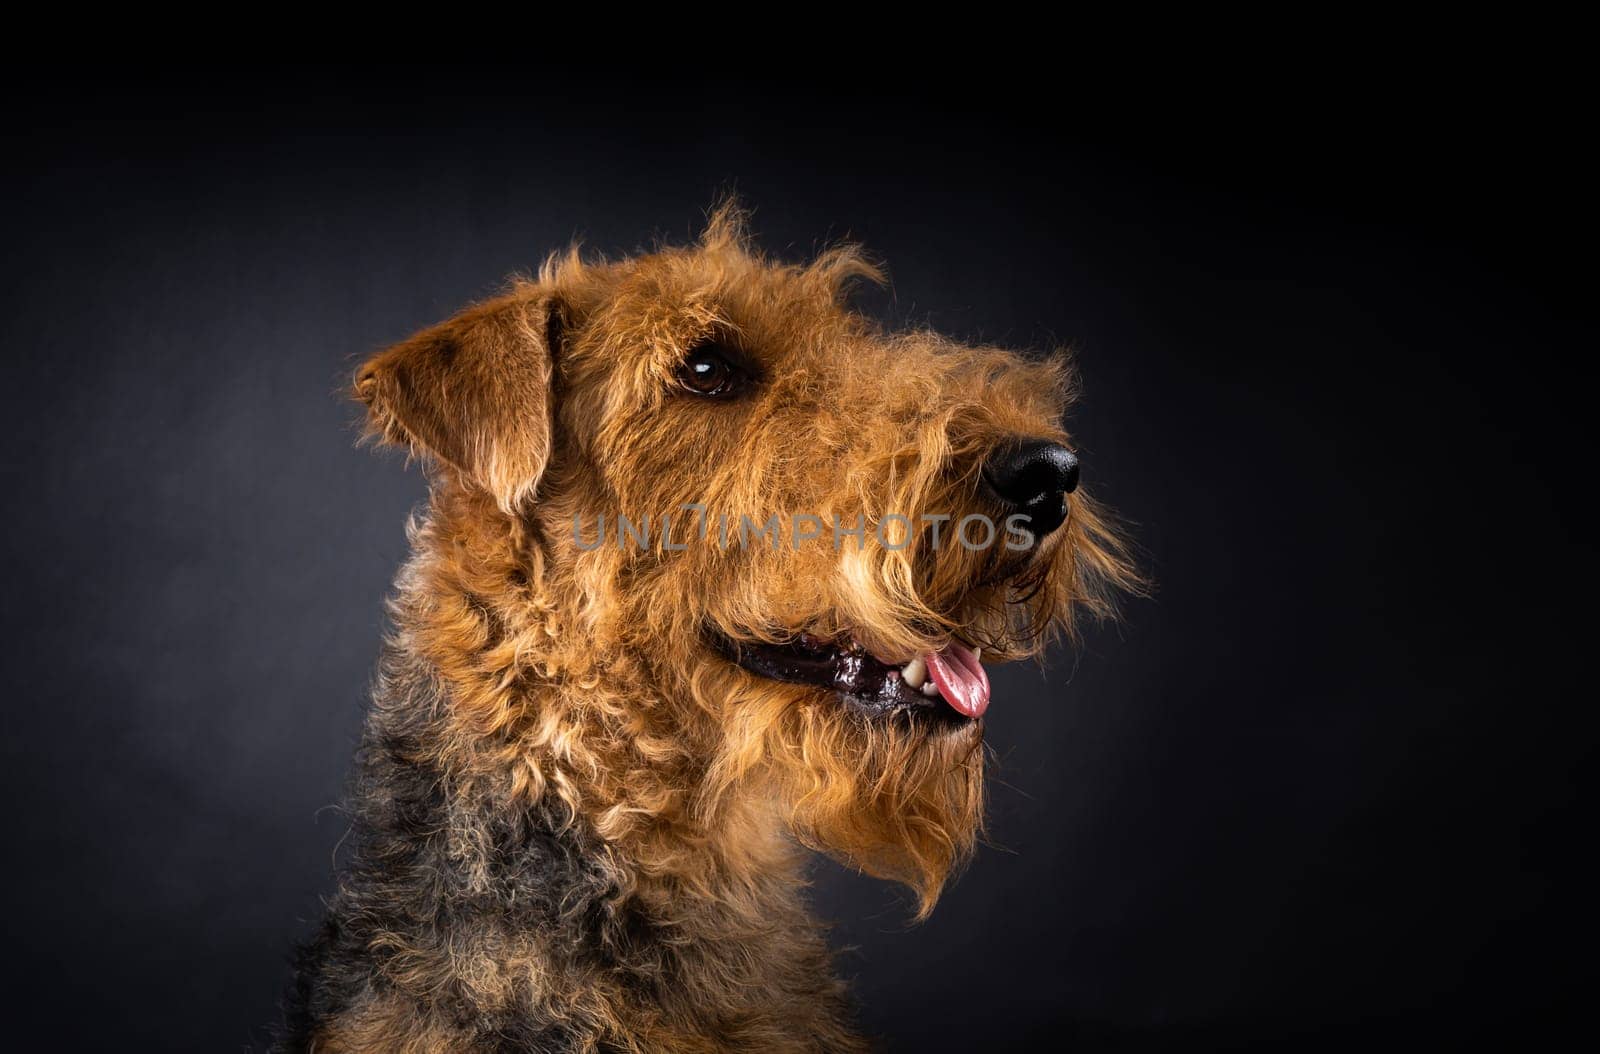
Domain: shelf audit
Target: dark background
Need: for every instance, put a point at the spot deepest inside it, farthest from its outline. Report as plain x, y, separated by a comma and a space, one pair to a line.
1319, 789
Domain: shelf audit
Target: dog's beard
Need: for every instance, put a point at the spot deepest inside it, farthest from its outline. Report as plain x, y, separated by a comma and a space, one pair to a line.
887, 788
899, 799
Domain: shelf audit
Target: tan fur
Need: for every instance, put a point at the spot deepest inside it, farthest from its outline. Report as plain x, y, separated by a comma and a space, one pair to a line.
583, 678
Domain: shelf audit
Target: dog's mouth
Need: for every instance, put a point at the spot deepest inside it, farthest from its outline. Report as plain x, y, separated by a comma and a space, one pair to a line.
949, 683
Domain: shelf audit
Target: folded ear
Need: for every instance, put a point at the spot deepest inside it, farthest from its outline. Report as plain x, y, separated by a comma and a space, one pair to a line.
472, 394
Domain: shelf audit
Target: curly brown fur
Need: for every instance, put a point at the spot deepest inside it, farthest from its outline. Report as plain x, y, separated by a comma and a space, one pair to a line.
578, 826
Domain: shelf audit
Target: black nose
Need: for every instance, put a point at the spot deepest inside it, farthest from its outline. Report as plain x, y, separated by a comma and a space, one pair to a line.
1034, 477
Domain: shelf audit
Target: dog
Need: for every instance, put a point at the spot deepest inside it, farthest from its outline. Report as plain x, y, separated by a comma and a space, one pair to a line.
707, 580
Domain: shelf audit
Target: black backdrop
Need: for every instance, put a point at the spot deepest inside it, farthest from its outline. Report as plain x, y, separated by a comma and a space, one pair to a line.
1316, 789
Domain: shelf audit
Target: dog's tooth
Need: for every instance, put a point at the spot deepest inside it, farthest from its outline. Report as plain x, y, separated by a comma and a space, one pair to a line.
977, 653
915, 672
930, 689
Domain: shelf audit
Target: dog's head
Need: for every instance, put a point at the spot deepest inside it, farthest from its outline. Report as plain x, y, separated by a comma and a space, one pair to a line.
802, 536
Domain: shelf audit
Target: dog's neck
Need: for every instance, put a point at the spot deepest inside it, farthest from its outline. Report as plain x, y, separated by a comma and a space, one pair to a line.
539, 712
528, 816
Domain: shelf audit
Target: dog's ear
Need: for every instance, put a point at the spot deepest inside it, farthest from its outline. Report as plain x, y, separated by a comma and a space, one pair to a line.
473, 394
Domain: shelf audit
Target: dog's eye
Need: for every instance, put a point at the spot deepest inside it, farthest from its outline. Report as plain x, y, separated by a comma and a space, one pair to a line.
709, 370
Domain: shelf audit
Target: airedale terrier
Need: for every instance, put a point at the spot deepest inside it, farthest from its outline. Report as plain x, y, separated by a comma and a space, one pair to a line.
705, 577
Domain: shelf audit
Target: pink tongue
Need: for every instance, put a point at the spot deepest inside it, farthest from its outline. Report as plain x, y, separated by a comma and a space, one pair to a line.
960, 678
